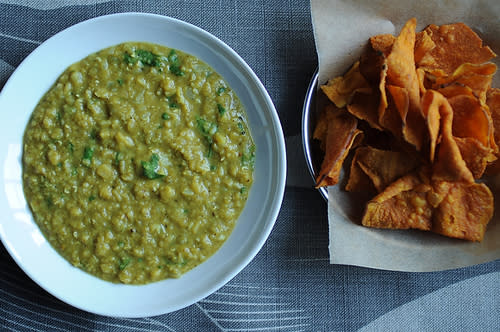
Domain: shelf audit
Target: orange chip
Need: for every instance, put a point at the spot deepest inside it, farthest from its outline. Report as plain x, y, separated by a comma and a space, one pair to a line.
340, 89
423, 45
382, 43
493, 102
358, 180
465, 210
402, 205
455, 89
475, 155
340, 137
364, 106
401, 72
470, 119
430, 109
477, 77
383, 166
455, 44
449, 165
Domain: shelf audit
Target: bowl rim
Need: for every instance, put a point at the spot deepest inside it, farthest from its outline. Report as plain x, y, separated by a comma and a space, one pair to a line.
308, 128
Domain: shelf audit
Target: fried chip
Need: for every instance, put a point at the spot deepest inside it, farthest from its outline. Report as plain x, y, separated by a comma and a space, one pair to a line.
423, 45
475, 155
401, 72
358, 180
382, 43
455, 44
470, 119
493, 102
464, 212
402, 205
341, 89
476, 77
382, 166
364, 107
341, 133
449, 164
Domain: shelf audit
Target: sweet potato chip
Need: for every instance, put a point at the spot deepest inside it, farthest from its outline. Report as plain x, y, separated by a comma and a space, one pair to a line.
493, 102
402, 205
465, 211
455, 44
476, 77
340, 137
364, 107
475, 155
471, 119
423, 44
384, 167
401, 72
358, 180
341, 89
431, 110
449, 165
382, 43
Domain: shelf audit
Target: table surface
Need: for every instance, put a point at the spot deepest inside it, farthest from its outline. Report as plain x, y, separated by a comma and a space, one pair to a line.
290, 285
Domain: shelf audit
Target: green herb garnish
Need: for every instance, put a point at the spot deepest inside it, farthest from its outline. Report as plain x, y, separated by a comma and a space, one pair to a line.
207, 130
165, 116
88, 153
221, 109
150, 167
92, 197
221, 90
120, 81
147, 58
118, 157
175, 65
248, 158
123, 263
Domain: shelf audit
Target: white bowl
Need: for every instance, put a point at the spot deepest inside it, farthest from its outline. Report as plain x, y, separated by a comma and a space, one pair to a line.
22, 237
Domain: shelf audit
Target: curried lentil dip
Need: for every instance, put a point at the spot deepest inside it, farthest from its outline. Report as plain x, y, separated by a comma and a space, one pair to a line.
137, 163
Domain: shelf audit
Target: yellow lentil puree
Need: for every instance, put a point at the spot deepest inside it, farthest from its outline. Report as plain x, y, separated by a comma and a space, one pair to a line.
137, 163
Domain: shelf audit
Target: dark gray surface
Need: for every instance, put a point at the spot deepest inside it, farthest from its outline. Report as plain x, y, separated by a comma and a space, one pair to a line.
290, 285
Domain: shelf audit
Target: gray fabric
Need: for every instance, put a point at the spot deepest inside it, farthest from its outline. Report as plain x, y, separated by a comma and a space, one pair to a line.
290, 285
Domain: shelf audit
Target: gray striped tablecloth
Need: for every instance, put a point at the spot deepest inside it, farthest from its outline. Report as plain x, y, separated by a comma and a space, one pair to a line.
290, 285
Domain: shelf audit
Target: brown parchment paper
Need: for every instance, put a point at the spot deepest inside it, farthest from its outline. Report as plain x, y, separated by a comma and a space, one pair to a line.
341, 30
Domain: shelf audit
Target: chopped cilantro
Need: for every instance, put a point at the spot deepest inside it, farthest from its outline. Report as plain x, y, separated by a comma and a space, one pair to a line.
150, 167
147, 58
71, 148
221, 90
120, 81
123, 263
175, 65
243, 190
165, 116
92, 197
129, 59
118, 157
93, 133
221, 109
88, 153
248, 158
